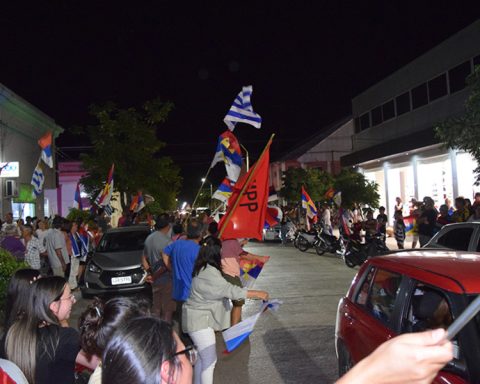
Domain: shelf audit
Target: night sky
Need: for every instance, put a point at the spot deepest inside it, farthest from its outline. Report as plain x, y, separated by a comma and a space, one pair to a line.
305, 59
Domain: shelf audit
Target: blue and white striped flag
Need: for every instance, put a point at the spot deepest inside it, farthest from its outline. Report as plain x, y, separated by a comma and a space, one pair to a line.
38, 178
238, 333
241, 111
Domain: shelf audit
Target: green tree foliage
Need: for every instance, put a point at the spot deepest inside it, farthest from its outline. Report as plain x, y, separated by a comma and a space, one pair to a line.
8, 266
74, 214
316, 182
463, 132
356, 189
128, 138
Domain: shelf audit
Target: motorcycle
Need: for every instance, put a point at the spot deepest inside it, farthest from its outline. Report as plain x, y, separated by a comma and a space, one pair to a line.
327, 243
304, 240
356, 252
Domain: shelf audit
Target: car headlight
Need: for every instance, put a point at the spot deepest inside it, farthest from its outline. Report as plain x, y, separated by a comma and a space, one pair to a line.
92, 267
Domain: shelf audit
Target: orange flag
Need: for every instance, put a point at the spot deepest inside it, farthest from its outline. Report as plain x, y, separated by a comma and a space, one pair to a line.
247, 206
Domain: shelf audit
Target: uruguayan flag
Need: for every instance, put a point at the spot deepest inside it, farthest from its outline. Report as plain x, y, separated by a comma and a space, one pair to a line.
38, 179
237, 334
241, 111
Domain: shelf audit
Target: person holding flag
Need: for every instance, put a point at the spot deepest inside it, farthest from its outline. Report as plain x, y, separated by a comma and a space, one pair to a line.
204, 311
232, 255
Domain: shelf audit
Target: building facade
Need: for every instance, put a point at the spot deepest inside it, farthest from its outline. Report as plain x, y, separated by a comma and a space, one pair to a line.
21, 125
394, 142
322, 150
61, 198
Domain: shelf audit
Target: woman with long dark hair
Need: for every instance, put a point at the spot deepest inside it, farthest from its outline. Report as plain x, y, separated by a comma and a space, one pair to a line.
147, 351
204, 312
100, 320
45, 351
18, 293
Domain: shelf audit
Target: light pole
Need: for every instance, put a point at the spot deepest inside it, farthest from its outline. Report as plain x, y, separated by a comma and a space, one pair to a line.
211, 190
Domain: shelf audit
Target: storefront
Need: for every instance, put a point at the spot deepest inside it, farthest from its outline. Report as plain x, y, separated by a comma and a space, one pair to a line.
430, 173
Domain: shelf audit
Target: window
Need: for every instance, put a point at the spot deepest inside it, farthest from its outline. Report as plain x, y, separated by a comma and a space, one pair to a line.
365, 289
457, 76
364, 121
388, 110
383, 295
403, 103
437, 87
419, 96
376, 116
428, 309
457, 238
123, 241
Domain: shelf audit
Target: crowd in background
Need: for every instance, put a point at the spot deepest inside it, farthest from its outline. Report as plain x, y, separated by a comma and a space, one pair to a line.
193, 275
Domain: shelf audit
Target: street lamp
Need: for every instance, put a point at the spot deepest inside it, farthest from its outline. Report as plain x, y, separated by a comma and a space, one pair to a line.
211, 189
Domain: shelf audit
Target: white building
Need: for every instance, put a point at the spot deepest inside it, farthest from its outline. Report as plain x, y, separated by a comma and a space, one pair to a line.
394, 142
21, 125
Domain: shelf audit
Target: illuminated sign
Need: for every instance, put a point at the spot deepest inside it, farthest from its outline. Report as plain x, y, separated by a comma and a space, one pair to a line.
10, 169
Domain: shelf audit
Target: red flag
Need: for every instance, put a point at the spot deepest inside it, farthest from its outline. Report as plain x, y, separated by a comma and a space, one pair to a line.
248, 204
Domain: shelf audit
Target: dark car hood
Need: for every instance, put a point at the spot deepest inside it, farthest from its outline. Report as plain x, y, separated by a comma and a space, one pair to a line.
117, 260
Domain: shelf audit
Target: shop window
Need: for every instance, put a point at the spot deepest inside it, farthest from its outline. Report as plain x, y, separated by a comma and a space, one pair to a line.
383, 295
419, 96
457, 77
388, 110
403, 103
376, 116
437, 87
457, 239
365, 121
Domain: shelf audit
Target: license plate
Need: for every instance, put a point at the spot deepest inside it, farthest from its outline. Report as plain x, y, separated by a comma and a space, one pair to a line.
121, 280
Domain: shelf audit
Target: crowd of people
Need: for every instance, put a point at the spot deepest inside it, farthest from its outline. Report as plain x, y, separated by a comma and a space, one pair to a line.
196, 290
421, 219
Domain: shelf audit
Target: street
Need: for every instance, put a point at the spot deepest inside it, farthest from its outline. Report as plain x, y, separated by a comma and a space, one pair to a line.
295, 344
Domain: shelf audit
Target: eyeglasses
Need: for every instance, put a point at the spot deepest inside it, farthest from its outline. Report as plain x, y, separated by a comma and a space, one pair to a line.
191, 353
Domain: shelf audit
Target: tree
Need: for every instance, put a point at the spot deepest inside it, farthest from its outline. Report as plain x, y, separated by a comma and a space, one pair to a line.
128, 139
315, 181
356, 189
463, 132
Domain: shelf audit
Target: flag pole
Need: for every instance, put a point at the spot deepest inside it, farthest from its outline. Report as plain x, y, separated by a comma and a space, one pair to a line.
204, 180
245, 185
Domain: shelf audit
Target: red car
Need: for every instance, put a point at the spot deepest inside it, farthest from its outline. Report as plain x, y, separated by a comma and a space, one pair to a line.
411, 291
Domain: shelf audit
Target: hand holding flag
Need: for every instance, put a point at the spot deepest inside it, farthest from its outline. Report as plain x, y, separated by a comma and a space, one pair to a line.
236, 335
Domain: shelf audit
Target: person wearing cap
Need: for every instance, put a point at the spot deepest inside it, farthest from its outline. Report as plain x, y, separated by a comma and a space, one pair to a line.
159, 275
232, 254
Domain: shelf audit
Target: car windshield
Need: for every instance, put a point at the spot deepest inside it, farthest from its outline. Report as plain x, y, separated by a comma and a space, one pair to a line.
122, 241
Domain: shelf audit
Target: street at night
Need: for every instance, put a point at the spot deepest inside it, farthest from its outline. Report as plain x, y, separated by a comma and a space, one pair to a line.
240, 192
295, 344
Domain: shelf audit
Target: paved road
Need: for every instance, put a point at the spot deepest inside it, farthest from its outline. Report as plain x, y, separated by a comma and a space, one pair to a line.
296, 344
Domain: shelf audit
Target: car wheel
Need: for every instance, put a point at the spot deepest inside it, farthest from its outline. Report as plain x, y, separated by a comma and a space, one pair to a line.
344, 360
302, 244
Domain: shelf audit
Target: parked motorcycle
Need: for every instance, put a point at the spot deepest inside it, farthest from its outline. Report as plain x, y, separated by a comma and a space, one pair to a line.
304, 240
356, 252
327, 243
